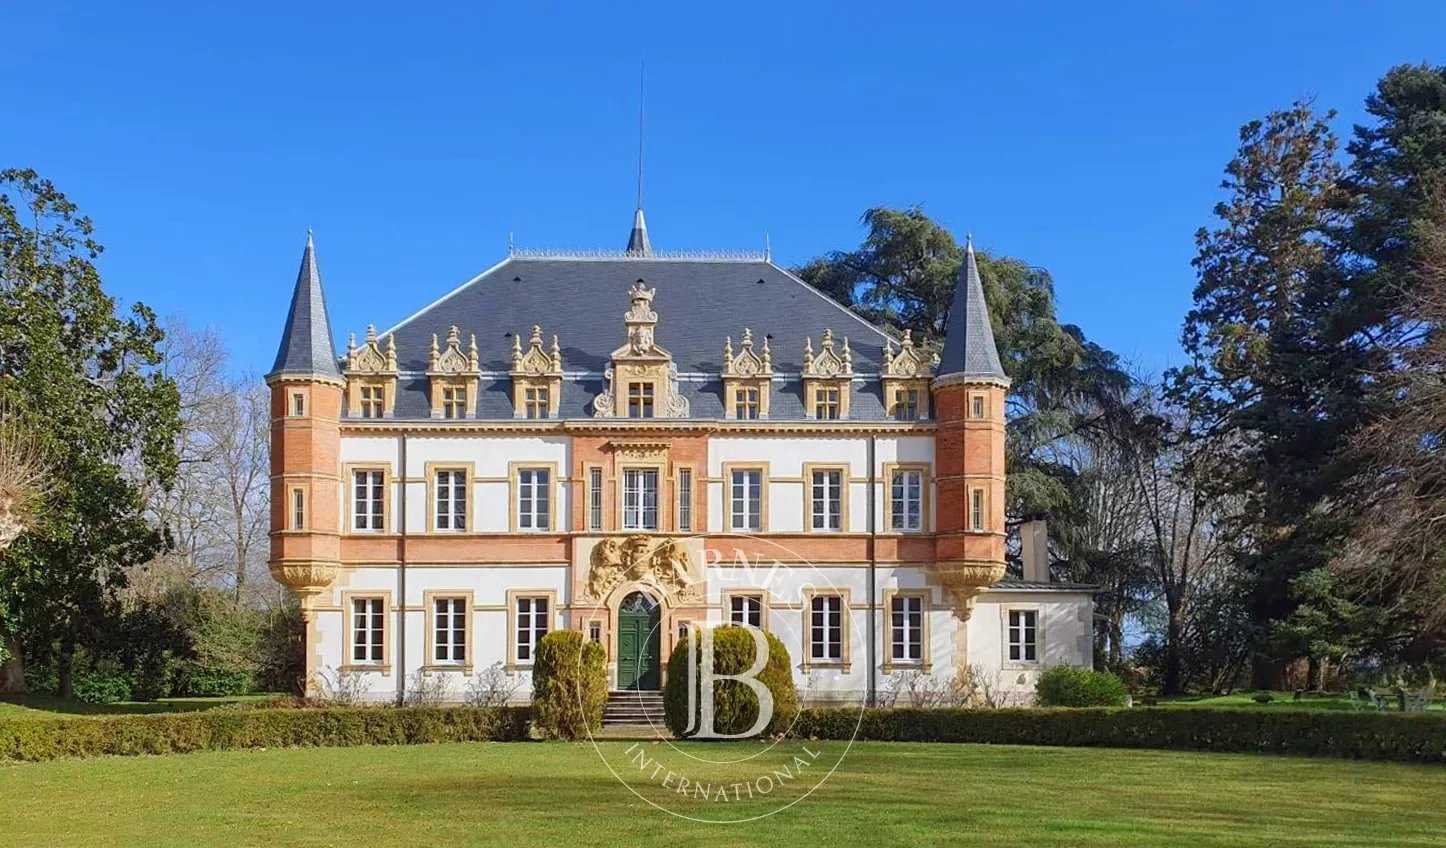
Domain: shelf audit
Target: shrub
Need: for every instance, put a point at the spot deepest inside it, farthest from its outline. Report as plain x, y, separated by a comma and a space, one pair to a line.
569, 685
218, 730
1067, 686
1264, 697
1366, 736
735, 705
428, 689
491, 687
102, 685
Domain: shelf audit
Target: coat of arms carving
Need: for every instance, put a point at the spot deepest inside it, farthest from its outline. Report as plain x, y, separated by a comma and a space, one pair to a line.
636, 558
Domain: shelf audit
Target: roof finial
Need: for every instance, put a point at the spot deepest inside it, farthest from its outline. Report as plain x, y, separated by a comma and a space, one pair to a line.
638, 242
969, 242
767, 248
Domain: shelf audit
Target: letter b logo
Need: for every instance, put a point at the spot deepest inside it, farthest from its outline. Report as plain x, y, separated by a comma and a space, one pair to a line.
701, 685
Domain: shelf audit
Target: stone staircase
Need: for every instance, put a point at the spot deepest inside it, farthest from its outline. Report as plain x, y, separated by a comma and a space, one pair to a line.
633, 708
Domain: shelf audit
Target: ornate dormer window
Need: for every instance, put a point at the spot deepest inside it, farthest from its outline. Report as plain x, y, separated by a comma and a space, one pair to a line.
826, 378
906, 375
536, 377
371, 377
642, 380
453, 377
746, 378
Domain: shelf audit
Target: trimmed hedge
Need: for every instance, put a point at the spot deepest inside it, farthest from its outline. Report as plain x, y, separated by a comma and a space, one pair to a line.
1365, 736
569, 685
223, 730
1067, 686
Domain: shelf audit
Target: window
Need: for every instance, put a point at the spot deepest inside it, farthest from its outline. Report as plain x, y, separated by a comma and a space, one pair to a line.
685, 500
826, 498
976, 406
1023, 635
746, 609
594, 498
745, 403
746, 511
826, 403
368, 626
298, 404
906, 405
532, 621
371, 401
594, 632
368, 499
640, 400
536, 402
906, 500
825, 631
454, 402
298, 509
976, 510
534, 491
451, 500
682, 631
449, 630
640, 499
906, 628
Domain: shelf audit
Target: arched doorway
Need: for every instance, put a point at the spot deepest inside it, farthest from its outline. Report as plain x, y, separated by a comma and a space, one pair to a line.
639, 637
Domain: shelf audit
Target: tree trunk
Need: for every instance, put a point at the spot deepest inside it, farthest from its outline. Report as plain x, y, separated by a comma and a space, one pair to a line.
1117, 642
12, 674
1174, 682
1313, 674
1265, 672
64, 669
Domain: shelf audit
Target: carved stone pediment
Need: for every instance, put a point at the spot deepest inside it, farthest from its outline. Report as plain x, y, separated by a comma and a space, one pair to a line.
909, 362
535, 362
639, 450
828, 362
452, 360
641, 361
369, 358
665, 563
746, 363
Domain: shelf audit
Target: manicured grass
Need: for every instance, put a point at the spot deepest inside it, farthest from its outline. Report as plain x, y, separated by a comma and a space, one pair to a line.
522, 794
1282, 700
35, 706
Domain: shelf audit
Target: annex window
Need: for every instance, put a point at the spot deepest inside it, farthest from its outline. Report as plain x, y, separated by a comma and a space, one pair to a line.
368, 627
976, 510
745, 403
534, 499
594, 632
826, 499
745, 609
536, 402
532, 616
640, 400
906, 628
825, 628
451, 500
298, 509
449, 630
746, 501
906, 499
594, 499
685, 500
976, 406
298, 404
454, 402
906, 405
683, 631
371, 401
368, 500
1023, 635
826, 403
640, 499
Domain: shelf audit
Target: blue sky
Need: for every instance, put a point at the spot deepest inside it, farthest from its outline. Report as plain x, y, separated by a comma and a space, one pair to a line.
1089, 140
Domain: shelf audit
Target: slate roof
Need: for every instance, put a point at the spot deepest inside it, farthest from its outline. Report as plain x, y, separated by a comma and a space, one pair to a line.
306, 348
969, 348
1012, 584
699, 302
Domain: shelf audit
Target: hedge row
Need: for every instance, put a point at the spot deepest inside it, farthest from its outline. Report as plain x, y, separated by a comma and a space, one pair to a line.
1366, 736
220, 730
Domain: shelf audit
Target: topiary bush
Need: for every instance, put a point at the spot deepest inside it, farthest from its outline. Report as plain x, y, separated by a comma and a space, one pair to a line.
735, 705
569, 685
1067, 686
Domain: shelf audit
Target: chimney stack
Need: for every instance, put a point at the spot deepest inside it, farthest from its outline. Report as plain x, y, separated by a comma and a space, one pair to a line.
1034, 550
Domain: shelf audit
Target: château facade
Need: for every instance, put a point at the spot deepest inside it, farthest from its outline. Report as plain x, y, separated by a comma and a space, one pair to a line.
634, 444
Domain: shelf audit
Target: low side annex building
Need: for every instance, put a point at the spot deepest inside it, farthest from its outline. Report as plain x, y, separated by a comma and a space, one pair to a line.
636, 443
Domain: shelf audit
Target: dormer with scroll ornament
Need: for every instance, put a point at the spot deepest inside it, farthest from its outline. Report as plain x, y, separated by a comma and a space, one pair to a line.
747, 377
641, 380
827, 376
371, 376
905, 375
453, 377
536, 377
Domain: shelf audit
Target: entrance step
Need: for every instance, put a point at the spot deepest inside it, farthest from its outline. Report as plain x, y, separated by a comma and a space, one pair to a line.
635, 708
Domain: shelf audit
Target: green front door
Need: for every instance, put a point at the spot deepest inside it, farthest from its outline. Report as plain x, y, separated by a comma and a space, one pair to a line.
638, 640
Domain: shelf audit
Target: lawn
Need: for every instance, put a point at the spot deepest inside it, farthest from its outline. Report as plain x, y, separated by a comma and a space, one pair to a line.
36, 706
522, 794
1282, 701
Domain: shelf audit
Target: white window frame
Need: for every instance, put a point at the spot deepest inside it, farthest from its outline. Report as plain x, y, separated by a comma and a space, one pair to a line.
298, 509
978, 509
643, 395
367, 630
536, 402
1019, 624
905, 636
529, 625
825, 512
371, 401
449, 500
746, 608
534, 499
594, 498
827, 633
641, 507
745, 499
906, 514
449, 630
684, 514
368, 501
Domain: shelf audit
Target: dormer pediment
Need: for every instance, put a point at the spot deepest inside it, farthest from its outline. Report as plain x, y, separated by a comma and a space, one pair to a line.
829, 363
909, 361
536, 362
452, 360
371, 376
369, 358
642, 380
